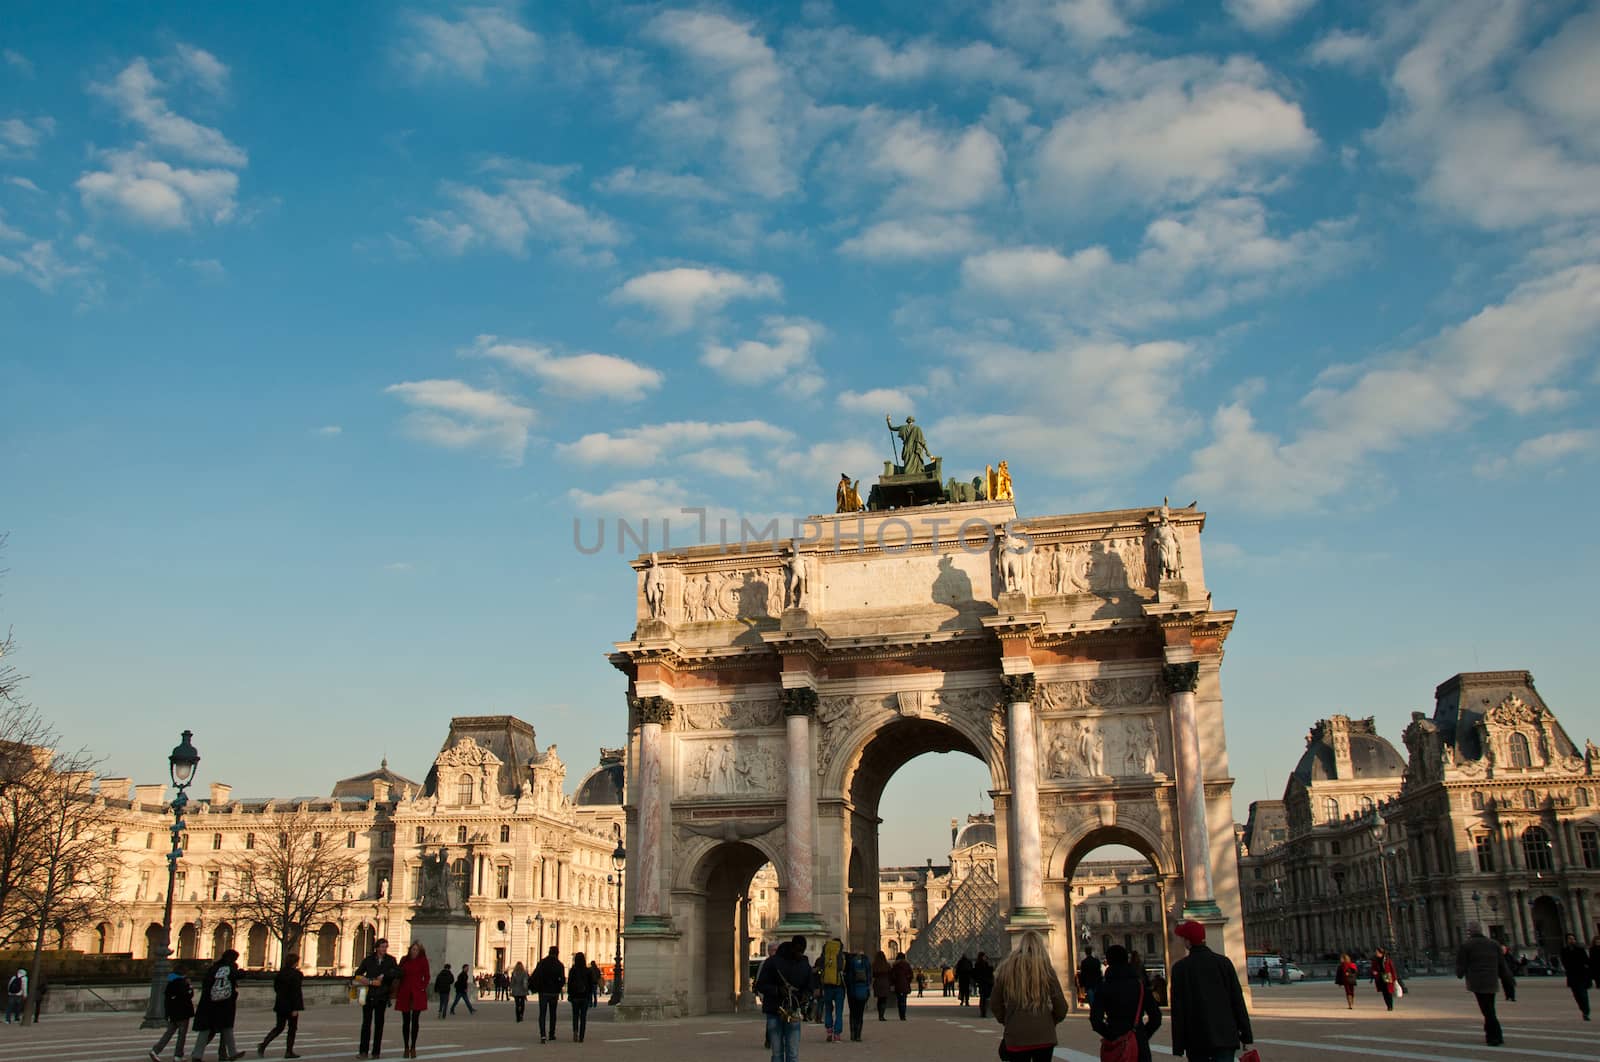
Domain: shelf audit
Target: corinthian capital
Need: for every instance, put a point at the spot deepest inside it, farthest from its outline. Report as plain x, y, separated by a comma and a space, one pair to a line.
655, 710
1014, 688
800, 701
1180, 678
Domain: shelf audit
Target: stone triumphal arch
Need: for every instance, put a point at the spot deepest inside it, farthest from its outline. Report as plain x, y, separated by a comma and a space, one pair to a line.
774, 687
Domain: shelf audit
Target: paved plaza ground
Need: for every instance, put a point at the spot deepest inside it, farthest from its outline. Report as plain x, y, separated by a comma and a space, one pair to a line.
1436, 1021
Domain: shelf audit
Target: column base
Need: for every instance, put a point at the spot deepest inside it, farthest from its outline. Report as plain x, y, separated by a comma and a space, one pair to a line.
649, 926
651, 989
1203, 911
802, 923
1028, 918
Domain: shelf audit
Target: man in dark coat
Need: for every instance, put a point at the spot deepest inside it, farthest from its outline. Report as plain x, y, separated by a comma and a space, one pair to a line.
983, 981
1575, 961
179, 998
1481, 962
964, 979
786, 981
1089, 974
1117, 1005
549, 977
441, 988
287, 1003
378, 972
1208, 1012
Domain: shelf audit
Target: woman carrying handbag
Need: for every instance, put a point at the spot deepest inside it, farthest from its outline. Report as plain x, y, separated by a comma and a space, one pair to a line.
1123, 1012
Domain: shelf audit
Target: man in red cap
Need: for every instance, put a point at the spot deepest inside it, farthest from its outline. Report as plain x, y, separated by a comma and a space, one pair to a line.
1209, 1020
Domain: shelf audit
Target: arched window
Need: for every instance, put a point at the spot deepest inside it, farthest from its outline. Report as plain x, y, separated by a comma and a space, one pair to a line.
1529, 800
1520, 756
1367, 805
1477, 800
1330, 809
1536, 848
505, 835
464, 789
461, 835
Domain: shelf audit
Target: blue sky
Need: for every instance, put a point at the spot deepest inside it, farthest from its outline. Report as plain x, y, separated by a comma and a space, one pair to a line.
319, 326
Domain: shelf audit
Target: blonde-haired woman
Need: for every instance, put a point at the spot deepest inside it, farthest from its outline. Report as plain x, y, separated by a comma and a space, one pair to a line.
1028, 1001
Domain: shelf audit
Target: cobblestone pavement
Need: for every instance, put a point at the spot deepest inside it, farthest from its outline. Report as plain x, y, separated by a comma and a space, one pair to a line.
1436, 1021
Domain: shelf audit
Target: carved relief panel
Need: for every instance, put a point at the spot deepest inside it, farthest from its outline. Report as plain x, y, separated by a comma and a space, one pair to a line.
730, 767
1121, 746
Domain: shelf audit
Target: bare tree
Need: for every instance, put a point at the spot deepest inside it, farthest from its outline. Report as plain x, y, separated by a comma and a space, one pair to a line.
292, 878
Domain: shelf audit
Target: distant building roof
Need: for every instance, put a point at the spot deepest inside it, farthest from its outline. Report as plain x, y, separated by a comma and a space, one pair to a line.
510, 739
603, 785
359, 787
1371, 756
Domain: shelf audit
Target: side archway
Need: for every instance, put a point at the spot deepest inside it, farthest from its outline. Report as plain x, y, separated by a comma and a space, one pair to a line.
712, 895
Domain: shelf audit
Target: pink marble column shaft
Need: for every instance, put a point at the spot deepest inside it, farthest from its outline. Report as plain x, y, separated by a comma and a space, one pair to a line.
1193, 827
648, 881
1029, 887
801, 809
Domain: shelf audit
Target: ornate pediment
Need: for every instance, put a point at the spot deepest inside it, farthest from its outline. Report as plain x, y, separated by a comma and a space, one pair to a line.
1514, 711
467, 753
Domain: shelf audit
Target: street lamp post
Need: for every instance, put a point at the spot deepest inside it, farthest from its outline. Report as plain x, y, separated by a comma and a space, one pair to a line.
180, 765
1380, 829
619, 861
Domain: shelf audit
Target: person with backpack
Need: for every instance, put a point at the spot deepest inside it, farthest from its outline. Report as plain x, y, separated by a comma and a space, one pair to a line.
16, 997
178, 995
548, 979
783, 985
1124, 1012
441, 988
580, 993
858, 988
287, 1003
830, 971
219, 999
1028, 1002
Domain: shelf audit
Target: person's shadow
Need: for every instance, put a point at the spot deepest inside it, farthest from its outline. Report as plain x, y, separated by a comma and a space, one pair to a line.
953, 587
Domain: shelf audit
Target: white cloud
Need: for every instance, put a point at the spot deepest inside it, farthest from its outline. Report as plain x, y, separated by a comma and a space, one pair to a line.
208, 268
39, 264
520, 211
20, 138
1171, 130
203, 67
1046, 25
728, 464
914, 239
1029, 272
827, 57
154, 193
648, 444
878, 400
23, 183
1090, 21
328, 430
1344, 48
451, 414
1541, 450
481, 39
786, 354
1515, 354
641, 499
137, 93
1267, 16
586, 375
654, 184
18, 62
932, 169
684, 295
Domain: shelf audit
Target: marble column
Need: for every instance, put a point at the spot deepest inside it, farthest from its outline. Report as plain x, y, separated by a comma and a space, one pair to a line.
1027, 900
1181, 681
800, 837
654, 713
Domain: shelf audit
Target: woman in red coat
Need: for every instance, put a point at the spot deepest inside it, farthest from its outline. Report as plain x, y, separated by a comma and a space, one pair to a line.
411, 996
1346, 978
1384, 976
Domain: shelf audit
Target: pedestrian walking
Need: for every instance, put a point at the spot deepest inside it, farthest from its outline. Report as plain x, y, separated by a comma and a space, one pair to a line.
882, 982
1209, 1019
900, 977
1089, 974
1124, 1004
219, 998
464, 987
1384, 976
1575, 961
983, 981
784, 984
411, 995
178, 995
1266, 974
947, 980
519, 988
41, 989
288, 1001
502, 985
831, 975
1594, 959
442, 986
1482, 964
963, 979
378, 972
1346, 977
1028, 1002
16, 996
580, 994
595, 978
922, 982
858, 987
547, 981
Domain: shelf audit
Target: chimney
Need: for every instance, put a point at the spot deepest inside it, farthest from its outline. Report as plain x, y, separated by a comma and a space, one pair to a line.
116, 788
150, 794
220, 793
380, 789
955, 828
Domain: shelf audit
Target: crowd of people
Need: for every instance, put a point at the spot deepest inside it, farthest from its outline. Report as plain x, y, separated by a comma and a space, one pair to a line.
380, 981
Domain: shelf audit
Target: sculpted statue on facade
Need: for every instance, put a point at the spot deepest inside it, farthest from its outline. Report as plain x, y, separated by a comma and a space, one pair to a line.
795, 579
1168, 553
1013, 560
914, 453
655, 588
1140, 744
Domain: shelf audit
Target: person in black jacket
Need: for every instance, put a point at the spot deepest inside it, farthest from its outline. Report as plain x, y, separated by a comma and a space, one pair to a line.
441, 988
580, 993
463, 990
219, 998
378, 972
179, 998
1208, 1013
963, 979
1123, 1001
983, 981
1089, 974
287, 1003
547, 980
785, 983
1576, 963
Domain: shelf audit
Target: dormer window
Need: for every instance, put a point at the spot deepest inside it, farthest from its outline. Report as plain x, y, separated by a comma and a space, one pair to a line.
464, 789
1520, 755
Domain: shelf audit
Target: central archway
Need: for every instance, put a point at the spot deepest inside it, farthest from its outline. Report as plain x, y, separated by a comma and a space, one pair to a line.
715, 896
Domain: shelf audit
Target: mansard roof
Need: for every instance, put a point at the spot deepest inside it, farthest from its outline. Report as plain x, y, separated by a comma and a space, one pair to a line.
509, 739
1462, 701
1371, 755
603, 785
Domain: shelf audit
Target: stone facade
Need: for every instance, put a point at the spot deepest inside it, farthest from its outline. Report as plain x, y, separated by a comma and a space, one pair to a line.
768, 709
1491, 818
531, 861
